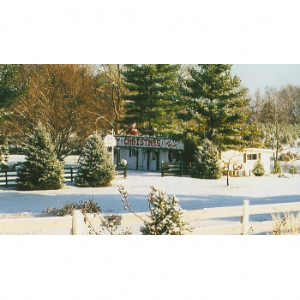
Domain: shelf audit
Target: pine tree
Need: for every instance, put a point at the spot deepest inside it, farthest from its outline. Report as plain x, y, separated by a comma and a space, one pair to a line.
165, 215
258, 169
41, 170
4, 151
277, 167
206, 164
293, 170
153, 94
217, 106
10, 86
96, 169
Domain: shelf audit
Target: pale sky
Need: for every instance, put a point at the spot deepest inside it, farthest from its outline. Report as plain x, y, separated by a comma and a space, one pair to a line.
260, 76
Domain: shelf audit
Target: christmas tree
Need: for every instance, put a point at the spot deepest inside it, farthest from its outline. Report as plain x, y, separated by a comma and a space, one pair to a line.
293, 170
207, 165
4, 152
277, 167
165, 215
41, 170
258, 169
96, 169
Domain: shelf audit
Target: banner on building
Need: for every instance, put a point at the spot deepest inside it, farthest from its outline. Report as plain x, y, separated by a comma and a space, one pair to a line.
148, 142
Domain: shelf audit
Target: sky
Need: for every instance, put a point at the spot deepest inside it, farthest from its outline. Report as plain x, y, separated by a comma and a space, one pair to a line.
260, 76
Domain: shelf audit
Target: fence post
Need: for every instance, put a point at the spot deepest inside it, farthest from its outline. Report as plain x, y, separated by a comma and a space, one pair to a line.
125, 171
6, 180
77, 222
162, 169
245, 218
71, 174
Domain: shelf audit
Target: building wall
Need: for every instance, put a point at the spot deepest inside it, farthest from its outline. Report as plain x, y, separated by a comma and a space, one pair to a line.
137, 159
246, 160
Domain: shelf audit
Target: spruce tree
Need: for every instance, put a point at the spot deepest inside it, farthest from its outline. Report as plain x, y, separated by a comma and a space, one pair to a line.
216, 105
165, 215
293, 170
10, 85
96, 169
206, 164
277, 167
4, 152
258, 169
153, 96
41, 170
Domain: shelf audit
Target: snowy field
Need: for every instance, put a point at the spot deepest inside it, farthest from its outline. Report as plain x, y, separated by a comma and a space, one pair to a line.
192, 193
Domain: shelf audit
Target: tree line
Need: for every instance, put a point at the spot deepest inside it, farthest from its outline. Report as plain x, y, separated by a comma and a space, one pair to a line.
186, 102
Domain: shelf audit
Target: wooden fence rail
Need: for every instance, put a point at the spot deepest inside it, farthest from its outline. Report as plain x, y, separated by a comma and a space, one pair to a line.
9, 178
75, 224
176, 169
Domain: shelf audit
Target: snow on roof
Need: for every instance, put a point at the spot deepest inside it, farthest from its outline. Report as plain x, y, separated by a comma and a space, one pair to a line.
259, 150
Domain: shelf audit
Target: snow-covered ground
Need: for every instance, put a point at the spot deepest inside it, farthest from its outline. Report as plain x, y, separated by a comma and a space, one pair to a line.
192, 193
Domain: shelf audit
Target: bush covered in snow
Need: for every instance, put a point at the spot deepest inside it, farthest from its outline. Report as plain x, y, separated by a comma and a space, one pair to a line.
165, 214
288, 156
41, 170
67, 209
96, 169
258, 169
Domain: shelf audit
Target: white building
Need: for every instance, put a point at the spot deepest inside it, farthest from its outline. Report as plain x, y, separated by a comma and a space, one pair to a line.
242, 163
146, 153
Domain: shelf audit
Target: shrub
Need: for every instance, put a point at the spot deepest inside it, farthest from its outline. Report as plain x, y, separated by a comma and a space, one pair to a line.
277, 168
293, 170
165, 214
286, 156
207, 165
96, 169
41, 170
258, 169
286, 224
67, 209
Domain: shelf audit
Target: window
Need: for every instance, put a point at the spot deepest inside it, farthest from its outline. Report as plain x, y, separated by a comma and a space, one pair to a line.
251, 156
154, 157
132, 152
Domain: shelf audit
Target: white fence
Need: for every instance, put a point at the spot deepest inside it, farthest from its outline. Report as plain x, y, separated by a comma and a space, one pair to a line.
75, 224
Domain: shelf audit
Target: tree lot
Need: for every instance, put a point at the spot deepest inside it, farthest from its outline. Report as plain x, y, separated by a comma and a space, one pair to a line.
188, 102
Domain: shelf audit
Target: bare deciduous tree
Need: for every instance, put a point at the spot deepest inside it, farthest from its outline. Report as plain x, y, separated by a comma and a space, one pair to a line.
112, 91
60, 97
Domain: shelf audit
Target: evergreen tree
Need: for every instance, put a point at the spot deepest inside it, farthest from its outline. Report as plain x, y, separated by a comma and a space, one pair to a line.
153, 94
293, 170
277, 167
258, 169
41, 170
96, 169
165, 215
4, 151
10, 85
217, 106
206, 164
